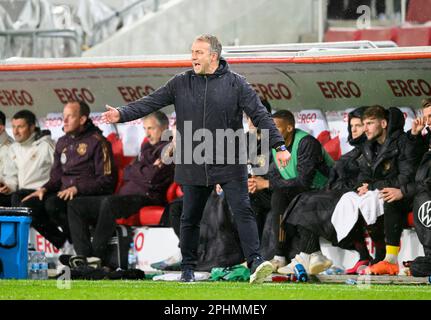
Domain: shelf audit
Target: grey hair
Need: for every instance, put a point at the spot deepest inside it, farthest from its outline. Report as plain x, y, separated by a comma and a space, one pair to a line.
160, 117
215, 45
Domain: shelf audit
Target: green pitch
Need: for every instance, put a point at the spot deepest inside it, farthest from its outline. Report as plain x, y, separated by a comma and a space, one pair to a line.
152, 290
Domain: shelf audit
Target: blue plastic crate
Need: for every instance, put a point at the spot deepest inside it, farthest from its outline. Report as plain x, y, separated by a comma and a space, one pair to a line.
13, 246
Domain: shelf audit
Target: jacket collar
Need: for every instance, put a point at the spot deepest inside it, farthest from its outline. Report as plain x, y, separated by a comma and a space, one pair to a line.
4, 137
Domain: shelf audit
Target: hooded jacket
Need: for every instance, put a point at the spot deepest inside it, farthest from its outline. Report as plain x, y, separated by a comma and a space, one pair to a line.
396, 161
29, 162
344, 173
210, 102
85, 161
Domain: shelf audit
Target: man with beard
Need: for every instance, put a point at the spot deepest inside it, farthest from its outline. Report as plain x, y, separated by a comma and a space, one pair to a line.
210, 98
389, 160
310, 213
307, 170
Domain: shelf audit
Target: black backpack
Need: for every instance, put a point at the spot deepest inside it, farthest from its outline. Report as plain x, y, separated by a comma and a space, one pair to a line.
421, 267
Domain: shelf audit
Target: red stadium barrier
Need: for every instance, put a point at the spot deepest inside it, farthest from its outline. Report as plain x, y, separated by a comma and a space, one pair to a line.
413, 36
378, 34
341, 34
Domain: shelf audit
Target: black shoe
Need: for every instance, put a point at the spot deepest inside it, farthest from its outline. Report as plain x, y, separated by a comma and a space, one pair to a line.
188, 275
260, 270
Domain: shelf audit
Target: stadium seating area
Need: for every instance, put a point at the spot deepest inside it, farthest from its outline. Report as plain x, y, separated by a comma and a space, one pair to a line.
404, 36
416, 31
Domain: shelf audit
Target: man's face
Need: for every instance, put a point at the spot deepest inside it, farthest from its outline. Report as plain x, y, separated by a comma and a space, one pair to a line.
374, 128
21, 130
285, 129
202, 57
427, 115
357, 127
71, 118
153, 130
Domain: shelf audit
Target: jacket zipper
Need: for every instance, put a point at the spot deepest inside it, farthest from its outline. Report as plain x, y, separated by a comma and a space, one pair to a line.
203, 124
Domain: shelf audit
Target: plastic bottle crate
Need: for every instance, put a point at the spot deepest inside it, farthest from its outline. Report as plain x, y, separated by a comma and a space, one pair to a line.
14, 230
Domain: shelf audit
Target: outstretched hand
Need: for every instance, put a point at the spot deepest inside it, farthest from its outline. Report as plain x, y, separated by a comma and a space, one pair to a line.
112, 115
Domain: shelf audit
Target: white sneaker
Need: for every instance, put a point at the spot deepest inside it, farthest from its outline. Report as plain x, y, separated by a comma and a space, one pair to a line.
302, 258
277, 262
263, 271
318, 263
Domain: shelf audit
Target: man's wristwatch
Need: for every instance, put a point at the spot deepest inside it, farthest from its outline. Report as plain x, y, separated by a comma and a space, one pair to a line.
281, 148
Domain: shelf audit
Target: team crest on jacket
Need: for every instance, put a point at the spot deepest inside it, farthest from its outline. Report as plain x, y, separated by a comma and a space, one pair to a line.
82, 149
424, 214
63, 158
387, 165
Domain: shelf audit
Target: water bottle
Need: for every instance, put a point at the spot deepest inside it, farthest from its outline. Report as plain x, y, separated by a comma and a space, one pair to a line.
132, 259
300, 273
30, 259
34, 266
43, 267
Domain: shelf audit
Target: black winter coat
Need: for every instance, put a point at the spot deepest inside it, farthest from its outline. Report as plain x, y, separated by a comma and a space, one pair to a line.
421, 190
215, 101
395, 163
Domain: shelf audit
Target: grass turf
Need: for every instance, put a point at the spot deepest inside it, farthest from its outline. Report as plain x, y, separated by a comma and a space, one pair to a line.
152, 290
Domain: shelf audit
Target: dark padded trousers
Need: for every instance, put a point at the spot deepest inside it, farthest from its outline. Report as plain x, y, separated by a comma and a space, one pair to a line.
101, 212
395, 220
47, 216
5, 200
280, 200
261, 204
195, 198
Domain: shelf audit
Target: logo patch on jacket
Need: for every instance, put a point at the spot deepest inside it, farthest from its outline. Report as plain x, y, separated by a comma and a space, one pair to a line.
82, 149
387, 165
63, 158
424, 214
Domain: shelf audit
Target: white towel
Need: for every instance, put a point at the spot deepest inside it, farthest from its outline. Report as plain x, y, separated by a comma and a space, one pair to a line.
348, 207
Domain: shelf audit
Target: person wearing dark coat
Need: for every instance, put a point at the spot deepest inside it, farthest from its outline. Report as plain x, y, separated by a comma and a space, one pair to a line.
145, 183
389, 160
310, 213
418, 193
308, 169
209, 99
83, 165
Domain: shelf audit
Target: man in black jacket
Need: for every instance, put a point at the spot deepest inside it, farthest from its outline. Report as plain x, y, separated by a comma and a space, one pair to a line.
310, 213
308, 169
389, 160
209, 99
417, 193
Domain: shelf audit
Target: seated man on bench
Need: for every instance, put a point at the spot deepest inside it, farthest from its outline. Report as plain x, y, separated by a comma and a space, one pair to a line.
145, 183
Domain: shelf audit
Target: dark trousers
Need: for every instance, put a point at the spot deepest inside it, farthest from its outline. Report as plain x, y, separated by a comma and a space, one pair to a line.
100, 212
261, 205
195, 198
175, 212
5, 200
47, 215
280, 200
395, 220
308, 241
